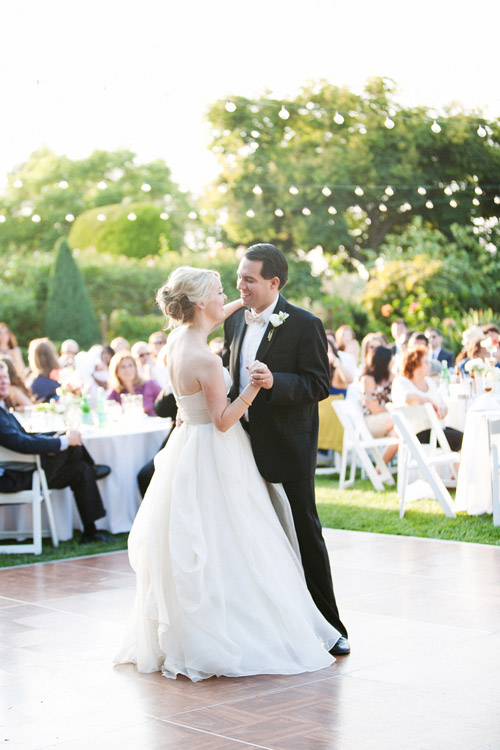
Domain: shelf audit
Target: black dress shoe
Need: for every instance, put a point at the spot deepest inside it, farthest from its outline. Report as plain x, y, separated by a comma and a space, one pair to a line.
95, 536
341, 648
101, 471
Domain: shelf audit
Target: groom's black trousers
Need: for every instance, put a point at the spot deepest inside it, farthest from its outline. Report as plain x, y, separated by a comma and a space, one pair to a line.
313, 550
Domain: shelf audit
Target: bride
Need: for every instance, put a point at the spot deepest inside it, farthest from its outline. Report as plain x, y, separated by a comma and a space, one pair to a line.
219, 585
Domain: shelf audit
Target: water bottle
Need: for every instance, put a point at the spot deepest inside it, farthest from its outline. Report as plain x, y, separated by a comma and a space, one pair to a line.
102, 415
85, 407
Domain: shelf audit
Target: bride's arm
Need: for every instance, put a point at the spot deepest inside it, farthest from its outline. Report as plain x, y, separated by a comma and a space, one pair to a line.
231, 307
222, 414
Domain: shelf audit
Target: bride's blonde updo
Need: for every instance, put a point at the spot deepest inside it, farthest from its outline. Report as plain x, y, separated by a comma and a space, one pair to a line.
185, 287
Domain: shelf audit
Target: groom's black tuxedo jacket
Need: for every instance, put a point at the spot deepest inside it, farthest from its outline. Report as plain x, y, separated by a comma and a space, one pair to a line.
283, 421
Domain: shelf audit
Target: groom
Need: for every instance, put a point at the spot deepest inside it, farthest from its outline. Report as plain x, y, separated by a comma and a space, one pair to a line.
283, 419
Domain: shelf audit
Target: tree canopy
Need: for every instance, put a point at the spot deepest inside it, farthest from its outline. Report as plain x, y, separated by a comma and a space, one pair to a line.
48, 192
339, 170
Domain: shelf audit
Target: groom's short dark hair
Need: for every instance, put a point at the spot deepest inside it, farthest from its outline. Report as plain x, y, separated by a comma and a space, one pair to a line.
273, 260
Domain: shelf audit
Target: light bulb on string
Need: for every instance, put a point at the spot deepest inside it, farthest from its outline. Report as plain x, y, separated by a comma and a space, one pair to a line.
192, 215
101, 217
3, 219
293, 190
36, 218
254, 108
338, 118
230, 106
359, 190
421, 190
389, 191
279, 212
257, 190
389, 124
382, 207
326, 191
429, 204
363, 130
405, 207
453, 203
131, 216
164, 215
18, 183
332, 210
476, 202
69, 217
102, 185
436, 127
250, 213
496, 199
306, 211
222, 188
284, 113
478, 190
448, 190
145, 187
481, 131
63, 184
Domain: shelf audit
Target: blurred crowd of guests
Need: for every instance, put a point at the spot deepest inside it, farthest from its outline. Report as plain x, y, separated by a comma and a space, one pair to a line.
410, 369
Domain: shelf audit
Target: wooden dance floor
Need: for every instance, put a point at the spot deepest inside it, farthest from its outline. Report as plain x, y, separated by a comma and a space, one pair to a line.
424, 673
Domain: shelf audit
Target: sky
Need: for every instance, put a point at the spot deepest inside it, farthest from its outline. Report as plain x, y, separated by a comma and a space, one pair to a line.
76, 76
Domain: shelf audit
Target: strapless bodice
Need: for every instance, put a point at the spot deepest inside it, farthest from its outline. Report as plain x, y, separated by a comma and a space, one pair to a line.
193, 409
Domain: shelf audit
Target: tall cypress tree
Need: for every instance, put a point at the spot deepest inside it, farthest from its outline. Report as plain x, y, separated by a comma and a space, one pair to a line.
69, 309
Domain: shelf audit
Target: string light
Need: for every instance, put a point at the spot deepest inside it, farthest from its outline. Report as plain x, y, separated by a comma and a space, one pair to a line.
306, 211
18, 184
389, 124
284, 113
131, 216
101, 217
359, 191
164, 216
338, 118
257, 190
382, 207
389, 191
293, 190
63, 184
481, 131
3, 219
279, 212
36, 218
69, 217
250, 213
435, 127
476, 202
332, 210
453, 203
429, 204
421, 190
230, 106
326, 191
146, 187
102, 185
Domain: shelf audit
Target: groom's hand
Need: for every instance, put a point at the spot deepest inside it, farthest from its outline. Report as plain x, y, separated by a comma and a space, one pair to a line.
261, 375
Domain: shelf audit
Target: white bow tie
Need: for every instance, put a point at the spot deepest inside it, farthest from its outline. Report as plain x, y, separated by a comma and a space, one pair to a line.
253, 317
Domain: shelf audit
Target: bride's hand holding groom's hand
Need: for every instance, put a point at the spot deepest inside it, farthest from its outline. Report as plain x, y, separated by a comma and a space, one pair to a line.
260, 375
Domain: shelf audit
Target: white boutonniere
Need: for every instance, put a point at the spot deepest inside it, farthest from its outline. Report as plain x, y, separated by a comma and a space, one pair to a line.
276, 319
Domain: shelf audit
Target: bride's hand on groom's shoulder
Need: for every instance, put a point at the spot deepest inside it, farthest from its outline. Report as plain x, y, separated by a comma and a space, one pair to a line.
260, 375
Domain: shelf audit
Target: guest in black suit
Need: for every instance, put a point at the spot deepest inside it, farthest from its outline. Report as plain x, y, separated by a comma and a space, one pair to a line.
64, 459
437, 352
164, 406
283, 420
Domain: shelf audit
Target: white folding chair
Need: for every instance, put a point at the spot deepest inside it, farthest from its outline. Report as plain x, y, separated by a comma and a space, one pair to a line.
414, 456
33, 497
360, 443
494, 432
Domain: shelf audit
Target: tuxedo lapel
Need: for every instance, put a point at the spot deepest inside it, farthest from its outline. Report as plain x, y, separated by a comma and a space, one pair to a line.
271, 331
234, 358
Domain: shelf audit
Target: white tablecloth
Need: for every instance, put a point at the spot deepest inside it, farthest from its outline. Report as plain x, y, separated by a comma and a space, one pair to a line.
125, 446
474, 475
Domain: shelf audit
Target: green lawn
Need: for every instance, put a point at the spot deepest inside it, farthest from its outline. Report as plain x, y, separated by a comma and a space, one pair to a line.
359, 509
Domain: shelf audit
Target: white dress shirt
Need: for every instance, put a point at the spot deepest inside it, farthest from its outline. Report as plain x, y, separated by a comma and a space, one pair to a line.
251, 343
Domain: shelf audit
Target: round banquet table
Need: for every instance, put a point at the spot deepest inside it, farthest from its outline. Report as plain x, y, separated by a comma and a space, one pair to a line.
125, 446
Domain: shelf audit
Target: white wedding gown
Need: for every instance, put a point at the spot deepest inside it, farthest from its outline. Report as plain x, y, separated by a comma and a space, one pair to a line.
220, 590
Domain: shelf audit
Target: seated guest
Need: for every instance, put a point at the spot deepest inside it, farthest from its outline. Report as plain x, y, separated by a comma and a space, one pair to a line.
419, 339
9, 348
143, 359
371, 341
19, 395
342, 367
436, 349
342, 371
43, 361
120, 344
346, 342
124, 378
399, 329
68, 351
470, 336
156, 342
475, 350
415, 386
64, 459
375, 386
